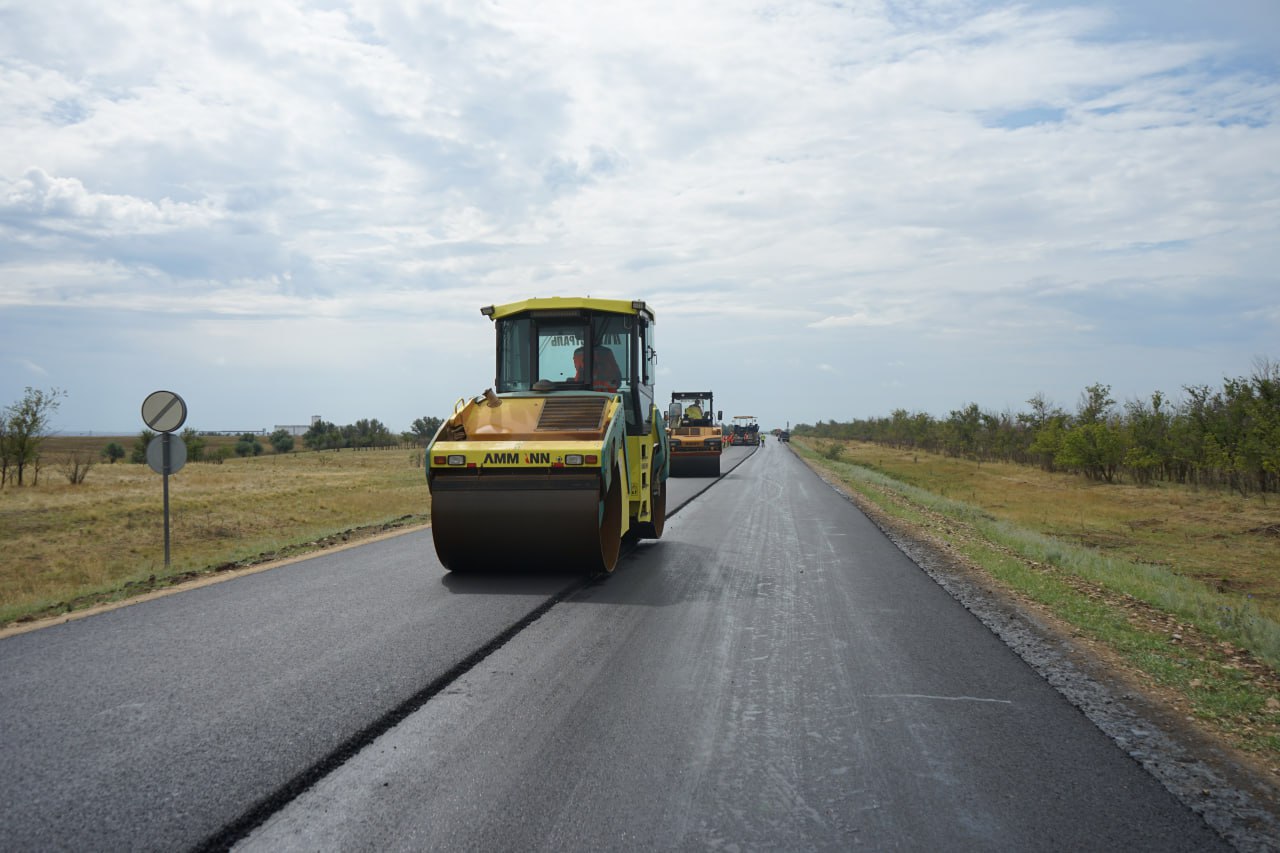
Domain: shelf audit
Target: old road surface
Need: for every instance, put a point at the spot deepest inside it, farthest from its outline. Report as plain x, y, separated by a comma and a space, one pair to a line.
773, 674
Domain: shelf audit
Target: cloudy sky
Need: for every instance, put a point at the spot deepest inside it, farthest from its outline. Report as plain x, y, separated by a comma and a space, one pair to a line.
836, 209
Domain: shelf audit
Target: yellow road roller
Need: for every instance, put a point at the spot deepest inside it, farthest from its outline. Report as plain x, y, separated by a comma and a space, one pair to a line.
566, 455
696, 439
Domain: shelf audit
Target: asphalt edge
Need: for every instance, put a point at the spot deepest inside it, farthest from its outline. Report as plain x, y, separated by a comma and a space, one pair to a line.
711, 481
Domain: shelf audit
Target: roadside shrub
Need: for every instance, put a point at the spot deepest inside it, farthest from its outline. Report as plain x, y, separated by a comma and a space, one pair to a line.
248, 448
76, 464
138, 456
195, 444
281, 441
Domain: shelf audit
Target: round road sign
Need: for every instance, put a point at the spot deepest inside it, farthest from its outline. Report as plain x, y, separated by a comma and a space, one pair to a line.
177, 454
164, 411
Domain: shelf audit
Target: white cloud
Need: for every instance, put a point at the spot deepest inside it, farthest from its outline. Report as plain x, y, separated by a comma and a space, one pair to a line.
32, 367
849, 320
809, 178
65, 204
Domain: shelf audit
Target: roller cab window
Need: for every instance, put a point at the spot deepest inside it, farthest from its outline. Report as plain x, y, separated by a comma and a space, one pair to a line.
592, 353
611, 336
532, 350
559, 344
515, 354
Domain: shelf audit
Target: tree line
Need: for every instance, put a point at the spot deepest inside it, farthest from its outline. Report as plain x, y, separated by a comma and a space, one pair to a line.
1225, 437
364, 434
27, 424
369, 433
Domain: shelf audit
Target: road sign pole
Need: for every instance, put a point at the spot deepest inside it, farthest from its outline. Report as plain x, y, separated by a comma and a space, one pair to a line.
165, 411
165, 477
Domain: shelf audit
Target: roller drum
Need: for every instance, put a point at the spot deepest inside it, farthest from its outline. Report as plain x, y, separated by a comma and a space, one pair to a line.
688, 465
513, 522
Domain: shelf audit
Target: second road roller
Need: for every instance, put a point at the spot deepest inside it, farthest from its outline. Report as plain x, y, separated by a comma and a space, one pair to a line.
696, 439
568, 456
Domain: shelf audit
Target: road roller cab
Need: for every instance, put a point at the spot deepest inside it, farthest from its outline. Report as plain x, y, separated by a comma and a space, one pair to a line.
568, 456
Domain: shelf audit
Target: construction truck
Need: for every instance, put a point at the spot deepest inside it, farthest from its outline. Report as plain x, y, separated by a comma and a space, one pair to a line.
746, 431
568, 457
696, 439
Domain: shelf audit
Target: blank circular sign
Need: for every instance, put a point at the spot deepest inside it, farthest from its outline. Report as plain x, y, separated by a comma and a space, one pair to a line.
164, 411
177, 454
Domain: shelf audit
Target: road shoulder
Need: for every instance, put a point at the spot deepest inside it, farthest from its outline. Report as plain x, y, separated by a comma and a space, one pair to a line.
1236, 793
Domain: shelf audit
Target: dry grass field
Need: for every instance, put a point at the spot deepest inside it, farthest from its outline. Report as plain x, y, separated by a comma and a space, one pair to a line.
68, 546
1227, 542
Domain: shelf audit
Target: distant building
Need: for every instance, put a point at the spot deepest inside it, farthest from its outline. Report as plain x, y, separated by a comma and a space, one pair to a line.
297, 429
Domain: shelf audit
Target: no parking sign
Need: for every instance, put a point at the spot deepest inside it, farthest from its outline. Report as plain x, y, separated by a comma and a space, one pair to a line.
165, 411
